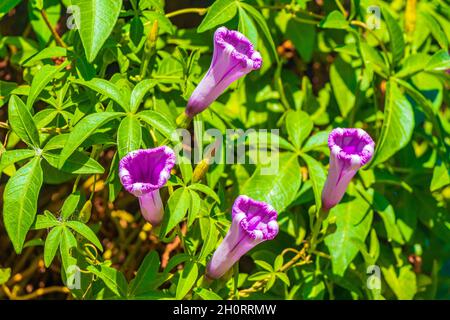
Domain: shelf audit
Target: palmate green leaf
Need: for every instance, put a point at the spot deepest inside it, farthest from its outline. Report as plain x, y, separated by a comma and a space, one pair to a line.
398, 124
278, 187
20, 201
83, 130
396, 40
51, 245
77, 163
317, 175
85, 231
344, 84
97, 19
139, 92
129, 135
114, 279
22, 122
299, 125
109, 90
220, 12
145, 276
353, 219
187, 279
10, 157
41, 79
176, 209
159, 122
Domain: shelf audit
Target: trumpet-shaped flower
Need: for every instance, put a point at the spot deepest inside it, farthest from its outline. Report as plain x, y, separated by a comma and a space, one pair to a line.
142, 173
233, 57
350, 149
252, 223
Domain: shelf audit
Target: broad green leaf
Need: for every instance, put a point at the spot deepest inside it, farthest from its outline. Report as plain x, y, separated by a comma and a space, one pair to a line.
353, 219
317, 175
139, 93
403, 284
247, 27
303, 36
396, 40
114, 279
10, 157
398, 124
210, 242
277, 187
77, 163
159, 122
413, 64
22, 122
85, 231
439, 61
207, 294
145, 276
187, 279
441, 177
20, 201
334, 20
299, 125
220, 12
70, 205
83, 130
129, 135
344, 84
176, 209
51, 245
386, 211
108, 89
97, 19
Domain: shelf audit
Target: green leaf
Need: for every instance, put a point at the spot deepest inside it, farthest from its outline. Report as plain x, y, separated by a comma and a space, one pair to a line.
210, 242
176, 209
334, 20
413, 64
396, 40
22, 122
159, 122
20, 201
303, 36
77, 163
145, 276
435, 29
68, 242
441, 177
299, 125
386, 211
52, 9
220, 12
278, 189
404, 284
129, 135
194, 208
97, 19
10, 157
440, 61
353, 220
108, 89
70, 204
317, 175
85, 231
344, 84
51, 245
139, 93
266, 266
373, 59
206, 190
46, 220
187, 279
46, 53
83, 130
207, 294
114, 279
5, 274
6, 6
247, 27
398, 124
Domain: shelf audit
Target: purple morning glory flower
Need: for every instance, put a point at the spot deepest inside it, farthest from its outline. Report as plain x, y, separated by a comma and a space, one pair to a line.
253, 222
142, 173
350, 149
233, 57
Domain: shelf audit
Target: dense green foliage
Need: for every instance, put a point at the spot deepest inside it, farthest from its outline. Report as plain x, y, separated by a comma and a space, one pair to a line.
73, 101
